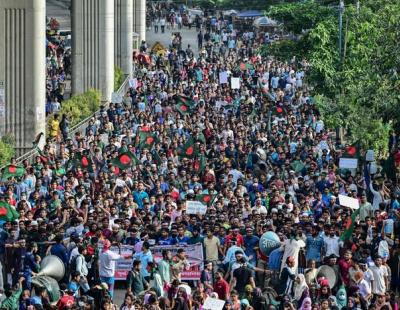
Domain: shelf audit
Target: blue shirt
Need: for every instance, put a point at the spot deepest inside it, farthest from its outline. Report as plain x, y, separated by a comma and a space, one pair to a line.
138, 197
168, 241
183, 240
250, 242
275, 259
314, 247
60, 251
144, 258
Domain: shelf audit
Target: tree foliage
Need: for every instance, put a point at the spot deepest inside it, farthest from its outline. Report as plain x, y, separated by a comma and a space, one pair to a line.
80, 107
7, 150
359, 90
119, 77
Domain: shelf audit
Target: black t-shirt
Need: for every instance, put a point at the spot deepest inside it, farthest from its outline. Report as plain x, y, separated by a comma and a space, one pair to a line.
242, 275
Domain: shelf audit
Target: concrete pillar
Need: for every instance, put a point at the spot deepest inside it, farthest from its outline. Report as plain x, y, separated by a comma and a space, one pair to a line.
93, 46
22, 70
139, 25
123, 32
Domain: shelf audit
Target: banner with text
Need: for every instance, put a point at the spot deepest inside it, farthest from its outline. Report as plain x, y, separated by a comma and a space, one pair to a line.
194, 254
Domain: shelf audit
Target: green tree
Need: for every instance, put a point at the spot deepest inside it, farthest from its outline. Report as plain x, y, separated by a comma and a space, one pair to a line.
119, 77
7, 150
80, 107
358, 90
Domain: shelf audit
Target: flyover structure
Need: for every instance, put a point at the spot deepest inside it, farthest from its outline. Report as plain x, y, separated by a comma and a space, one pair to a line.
22, 70
102, 33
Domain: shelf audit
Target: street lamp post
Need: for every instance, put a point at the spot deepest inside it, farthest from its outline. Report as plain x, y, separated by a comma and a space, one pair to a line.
341, 10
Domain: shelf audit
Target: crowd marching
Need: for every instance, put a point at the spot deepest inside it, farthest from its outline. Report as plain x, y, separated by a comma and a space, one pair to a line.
237, 133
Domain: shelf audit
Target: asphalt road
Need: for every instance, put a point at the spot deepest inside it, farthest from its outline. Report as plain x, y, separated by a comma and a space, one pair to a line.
188, 37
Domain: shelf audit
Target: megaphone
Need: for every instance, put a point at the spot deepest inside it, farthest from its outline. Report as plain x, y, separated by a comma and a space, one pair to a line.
328, 273
51, 286
53, 267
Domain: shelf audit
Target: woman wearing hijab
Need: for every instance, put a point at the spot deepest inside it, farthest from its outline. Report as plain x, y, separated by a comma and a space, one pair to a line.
301, 290
306, 304
341, 298
258, 301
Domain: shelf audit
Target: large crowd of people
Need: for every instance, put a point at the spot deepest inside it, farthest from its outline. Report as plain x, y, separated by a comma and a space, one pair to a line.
228, 124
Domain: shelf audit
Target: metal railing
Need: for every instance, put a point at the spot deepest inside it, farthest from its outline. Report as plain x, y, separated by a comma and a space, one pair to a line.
80, 127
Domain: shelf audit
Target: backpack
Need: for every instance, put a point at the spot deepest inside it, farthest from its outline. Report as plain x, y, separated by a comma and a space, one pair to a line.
72, 265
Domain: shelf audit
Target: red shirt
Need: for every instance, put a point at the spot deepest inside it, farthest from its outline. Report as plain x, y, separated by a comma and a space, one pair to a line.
65, 302
344, 271
221, 287
239, 239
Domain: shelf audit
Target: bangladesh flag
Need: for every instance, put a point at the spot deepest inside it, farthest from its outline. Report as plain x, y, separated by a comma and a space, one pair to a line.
189, 149
8, 212
184, 104
147, 140
245, 66
125, 160
199, 164
278, 111
12, 171
206, 198
350, 226
82, 160
352, 151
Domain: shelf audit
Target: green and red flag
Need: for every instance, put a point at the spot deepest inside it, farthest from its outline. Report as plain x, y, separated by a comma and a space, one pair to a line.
350, 226
278, 111
246, 66
125, 160
184, 104
8, 212
147, 140
12, 171
82, 160
199, 164
206, 199
352, 151
189, 149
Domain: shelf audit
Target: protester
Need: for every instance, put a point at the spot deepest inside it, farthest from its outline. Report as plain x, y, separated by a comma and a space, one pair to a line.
239, 136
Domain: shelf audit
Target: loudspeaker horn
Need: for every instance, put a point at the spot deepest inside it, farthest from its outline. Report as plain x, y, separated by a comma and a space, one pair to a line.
328, 273
53, 267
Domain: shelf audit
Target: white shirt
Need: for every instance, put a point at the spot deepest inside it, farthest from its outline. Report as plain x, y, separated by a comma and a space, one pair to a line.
379, 286
332, 245
364, 288
107, 263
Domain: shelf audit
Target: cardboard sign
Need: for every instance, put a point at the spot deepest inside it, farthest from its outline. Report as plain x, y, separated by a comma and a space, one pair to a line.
195, 207
213, 304
349, 202
235, 83
348, 163
223, 77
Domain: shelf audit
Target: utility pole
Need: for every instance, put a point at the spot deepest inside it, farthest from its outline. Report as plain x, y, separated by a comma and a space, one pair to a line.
341, 10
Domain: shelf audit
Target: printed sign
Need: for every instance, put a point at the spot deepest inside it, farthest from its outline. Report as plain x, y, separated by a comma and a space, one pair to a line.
213, 304
195, 207
223, 77
194, 254
235, 83
349, 202
348, 163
